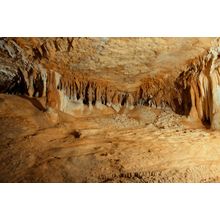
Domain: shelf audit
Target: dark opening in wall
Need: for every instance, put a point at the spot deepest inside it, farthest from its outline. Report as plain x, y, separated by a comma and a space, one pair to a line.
182, 98
78, 96
37, 54
124, 99
13, 83
86, 97
206, 122
38, 86
86, 100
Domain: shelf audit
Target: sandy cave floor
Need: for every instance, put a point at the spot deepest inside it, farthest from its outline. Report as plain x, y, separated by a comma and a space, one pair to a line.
140, 145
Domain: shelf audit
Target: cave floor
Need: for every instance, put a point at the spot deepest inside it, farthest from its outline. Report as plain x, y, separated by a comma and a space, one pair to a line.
139, 145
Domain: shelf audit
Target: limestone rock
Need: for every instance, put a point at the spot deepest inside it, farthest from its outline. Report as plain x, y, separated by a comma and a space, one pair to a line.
70, 73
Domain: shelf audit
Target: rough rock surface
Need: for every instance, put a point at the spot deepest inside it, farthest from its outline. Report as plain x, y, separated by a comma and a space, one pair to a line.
113, 72
138, 109
142, 145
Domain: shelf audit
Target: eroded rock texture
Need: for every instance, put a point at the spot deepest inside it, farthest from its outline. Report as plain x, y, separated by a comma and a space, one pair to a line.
136, 110
201, 81
77, 73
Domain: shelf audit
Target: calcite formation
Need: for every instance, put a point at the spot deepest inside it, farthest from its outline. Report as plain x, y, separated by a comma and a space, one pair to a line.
74, 73
201, 80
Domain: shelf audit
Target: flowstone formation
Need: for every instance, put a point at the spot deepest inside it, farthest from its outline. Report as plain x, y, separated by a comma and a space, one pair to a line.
77, 73
205, 90
201, 80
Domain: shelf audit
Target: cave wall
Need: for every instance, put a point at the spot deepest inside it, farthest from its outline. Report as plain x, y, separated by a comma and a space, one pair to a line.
70, 73
203, 81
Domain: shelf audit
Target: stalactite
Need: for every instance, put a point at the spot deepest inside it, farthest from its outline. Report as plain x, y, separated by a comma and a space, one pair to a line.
195, 92
53, 96
202, 78
97, 93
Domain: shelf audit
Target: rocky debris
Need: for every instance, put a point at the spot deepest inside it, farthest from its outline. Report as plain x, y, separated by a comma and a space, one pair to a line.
118, 121
168, 119
161, 176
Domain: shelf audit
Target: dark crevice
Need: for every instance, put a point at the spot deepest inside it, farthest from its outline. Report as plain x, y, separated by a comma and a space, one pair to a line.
38, 86
37, 54
124, 99
16, 85
35, 103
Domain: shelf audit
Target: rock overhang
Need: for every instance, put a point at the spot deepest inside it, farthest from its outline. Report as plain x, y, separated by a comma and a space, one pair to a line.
116, 72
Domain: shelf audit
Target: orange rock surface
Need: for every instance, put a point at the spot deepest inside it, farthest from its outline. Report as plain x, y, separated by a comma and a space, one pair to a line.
109, 109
